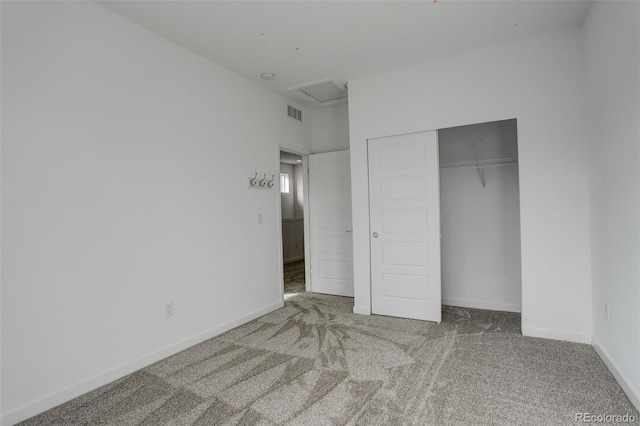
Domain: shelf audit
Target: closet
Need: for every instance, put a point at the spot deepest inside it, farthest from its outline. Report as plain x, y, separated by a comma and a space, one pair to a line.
480, 216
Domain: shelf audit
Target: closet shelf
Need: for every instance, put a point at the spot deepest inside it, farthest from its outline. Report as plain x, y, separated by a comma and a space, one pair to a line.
480, 165
497, 162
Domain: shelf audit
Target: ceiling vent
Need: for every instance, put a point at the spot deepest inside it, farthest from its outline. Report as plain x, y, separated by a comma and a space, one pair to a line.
324, 92
294, 113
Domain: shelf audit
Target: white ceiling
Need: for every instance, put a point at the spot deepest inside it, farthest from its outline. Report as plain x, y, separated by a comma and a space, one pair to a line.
305, 41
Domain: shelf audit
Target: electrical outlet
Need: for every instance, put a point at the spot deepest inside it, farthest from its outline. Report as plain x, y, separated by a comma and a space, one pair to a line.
259, 217
606, 312
168, 310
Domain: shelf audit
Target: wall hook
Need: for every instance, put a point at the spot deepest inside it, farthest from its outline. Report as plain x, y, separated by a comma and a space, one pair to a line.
260, 183
252, 181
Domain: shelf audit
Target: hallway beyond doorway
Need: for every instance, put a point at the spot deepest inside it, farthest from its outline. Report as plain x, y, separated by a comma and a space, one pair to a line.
294, 277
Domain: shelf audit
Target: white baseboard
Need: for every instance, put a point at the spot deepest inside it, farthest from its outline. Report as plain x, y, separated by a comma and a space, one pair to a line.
622, 379
556, 335
362, 310
482, 305
33, 408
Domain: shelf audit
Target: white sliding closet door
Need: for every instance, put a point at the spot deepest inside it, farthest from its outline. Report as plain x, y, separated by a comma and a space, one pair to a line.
405, 226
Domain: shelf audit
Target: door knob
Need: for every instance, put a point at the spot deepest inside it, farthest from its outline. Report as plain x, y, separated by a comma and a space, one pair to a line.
375, 235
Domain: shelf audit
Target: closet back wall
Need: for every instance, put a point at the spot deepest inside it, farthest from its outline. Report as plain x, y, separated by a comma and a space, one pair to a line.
480, 227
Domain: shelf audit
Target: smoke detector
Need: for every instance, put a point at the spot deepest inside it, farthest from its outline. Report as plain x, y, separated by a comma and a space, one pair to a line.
323, 92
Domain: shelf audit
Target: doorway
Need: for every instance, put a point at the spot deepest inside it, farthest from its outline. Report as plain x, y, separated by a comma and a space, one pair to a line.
292, 202
480, 216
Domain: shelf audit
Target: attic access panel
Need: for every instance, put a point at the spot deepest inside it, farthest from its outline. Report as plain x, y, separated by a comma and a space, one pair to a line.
324, 92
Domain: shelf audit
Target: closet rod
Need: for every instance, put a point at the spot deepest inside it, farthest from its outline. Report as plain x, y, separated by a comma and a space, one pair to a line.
482, 163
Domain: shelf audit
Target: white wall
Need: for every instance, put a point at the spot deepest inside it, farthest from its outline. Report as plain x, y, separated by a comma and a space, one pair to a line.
118, 196
540, 81
292, 240
287, 199
330, 129
612, 38
480, 226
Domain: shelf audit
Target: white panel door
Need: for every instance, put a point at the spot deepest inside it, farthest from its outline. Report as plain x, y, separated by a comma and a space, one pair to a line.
330, 223
404, 197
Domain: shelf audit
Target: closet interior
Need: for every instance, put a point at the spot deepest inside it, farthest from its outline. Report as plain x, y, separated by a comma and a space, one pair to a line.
480, 216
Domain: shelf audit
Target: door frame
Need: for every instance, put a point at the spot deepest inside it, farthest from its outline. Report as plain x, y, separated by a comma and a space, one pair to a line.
305, 221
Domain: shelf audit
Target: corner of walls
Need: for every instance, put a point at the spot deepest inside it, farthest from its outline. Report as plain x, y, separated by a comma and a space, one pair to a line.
611, 34
330, 129
627, 384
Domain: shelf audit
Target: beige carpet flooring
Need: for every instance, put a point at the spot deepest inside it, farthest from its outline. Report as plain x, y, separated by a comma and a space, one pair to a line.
313, 362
